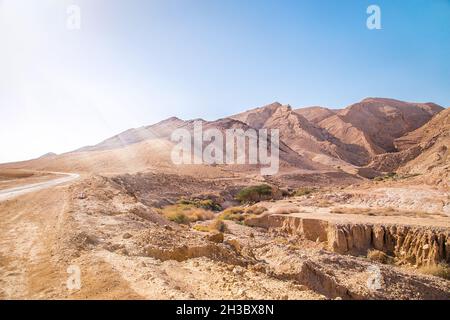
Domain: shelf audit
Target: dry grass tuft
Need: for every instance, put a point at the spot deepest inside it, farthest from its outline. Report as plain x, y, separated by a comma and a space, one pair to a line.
303, 191
185, 213
323, 203
216, 225
255, 210
441, 270
285, 210
379, 256
239, 214
383, 212
234, 214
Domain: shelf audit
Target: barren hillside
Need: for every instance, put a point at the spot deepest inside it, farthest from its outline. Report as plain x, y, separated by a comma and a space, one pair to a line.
139, 226
313, 139
423, 151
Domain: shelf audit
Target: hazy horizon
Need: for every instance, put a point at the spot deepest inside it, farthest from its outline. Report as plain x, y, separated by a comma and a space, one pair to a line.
136, 63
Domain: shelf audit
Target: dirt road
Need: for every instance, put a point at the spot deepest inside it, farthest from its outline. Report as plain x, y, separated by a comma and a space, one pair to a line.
14, 192
35, 219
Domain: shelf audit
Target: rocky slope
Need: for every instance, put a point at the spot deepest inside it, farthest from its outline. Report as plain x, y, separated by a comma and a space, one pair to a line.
315, 114
422, 151
313, 139
354, 134
384, 120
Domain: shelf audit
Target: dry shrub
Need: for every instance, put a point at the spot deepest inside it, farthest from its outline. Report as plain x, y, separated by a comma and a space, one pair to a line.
394, 176
303, 191
234, 213
201, 227
338, 210
185, 213
239, 214
345, 210
216, 225
441, 270
388, 211
379, 256
285, 210
323, 203
255, 210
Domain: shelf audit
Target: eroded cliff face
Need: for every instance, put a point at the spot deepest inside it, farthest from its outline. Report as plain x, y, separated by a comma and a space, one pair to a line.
415, 245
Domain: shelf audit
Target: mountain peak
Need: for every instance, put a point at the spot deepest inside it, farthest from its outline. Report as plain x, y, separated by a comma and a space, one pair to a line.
47, 155
171, 119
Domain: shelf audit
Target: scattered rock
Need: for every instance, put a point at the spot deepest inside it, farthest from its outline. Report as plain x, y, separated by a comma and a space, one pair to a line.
215, 237
126, 235
238, 270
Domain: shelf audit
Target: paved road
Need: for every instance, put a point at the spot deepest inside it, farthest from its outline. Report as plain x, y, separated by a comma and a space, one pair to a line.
17, 191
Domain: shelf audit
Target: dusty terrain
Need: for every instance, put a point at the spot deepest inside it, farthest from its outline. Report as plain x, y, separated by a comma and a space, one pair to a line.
125, 249
352, 214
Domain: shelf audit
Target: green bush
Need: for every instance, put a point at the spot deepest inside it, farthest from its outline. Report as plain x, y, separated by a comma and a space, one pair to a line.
206, 204
255, 193
177, 217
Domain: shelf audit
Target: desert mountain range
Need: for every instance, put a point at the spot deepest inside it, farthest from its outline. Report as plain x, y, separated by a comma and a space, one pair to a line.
376, 134
358, 188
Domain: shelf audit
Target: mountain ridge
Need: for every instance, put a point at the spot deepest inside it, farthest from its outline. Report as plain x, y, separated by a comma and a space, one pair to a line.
312, 138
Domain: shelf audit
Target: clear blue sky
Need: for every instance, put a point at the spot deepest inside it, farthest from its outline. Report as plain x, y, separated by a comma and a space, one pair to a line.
137, 62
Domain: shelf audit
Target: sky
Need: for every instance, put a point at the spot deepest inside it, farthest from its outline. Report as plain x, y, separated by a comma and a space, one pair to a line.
134, 63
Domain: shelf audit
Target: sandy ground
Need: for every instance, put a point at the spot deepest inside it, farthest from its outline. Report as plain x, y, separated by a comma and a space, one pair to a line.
32, 265
124, 251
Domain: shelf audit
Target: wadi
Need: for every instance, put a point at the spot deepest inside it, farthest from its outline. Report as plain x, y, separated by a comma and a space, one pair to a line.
359, 208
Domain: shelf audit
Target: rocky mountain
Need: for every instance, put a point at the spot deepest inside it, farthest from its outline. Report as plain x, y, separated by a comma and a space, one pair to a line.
161, 129
383, 120
302, 135
354, 134
48, 155
315, 114
422, 151
387, 134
